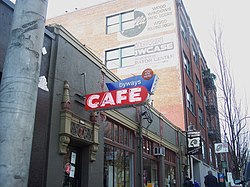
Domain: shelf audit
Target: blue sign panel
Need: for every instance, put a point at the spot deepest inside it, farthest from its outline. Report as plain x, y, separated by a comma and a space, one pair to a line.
133, 82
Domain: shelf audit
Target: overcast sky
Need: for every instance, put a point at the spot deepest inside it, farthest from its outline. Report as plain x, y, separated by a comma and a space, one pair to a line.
232, 15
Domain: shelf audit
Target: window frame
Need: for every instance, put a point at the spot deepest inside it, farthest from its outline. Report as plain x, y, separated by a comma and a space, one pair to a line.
198, 85
120, 59
195, 54
187, 65
120, 22
200, 116
184, 30
190, 100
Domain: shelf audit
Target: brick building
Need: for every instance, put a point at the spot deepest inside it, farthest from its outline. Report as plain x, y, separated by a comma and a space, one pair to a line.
130, 36
132, 146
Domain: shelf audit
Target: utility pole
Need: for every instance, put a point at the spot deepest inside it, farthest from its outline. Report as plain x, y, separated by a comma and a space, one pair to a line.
18, 92
140, 149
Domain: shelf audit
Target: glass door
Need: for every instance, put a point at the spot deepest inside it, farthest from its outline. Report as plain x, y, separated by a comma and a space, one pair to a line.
72, 173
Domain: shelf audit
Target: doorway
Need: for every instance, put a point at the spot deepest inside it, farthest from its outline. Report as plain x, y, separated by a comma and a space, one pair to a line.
72, 174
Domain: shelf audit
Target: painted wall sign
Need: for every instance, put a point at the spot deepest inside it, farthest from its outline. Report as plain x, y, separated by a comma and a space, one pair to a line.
116, 98
155, 53
135, 81
139, 25
156, 18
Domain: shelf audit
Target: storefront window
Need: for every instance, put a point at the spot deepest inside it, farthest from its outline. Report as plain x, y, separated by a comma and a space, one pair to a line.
170, 178
116, 133
108, 131
170, 169
118, 168
150, 173
118, 157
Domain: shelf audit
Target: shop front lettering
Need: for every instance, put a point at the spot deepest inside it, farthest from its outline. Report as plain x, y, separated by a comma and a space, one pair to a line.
116, 98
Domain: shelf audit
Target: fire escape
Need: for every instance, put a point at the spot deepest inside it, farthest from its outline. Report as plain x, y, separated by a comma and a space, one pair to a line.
211, 105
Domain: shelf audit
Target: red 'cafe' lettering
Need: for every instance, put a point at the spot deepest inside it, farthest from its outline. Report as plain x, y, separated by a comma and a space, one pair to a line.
116, 98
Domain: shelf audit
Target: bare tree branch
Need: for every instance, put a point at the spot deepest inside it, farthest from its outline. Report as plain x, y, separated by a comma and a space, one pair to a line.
233, 121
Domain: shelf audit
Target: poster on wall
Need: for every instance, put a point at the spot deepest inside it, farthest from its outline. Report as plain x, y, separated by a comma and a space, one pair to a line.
155, 53
151, 19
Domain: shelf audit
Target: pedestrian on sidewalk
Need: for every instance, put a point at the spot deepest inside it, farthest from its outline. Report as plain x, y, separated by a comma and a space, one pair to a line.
196, 184
188, 182
210, 180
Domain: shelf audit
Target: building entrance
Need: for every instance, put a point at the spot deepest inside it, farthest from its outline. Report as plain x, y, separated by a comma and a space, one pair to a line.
72, 172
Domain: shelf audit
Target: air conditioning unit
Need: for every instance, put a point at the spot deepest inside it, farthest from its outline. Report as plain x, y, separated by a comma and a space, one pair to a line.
159, 151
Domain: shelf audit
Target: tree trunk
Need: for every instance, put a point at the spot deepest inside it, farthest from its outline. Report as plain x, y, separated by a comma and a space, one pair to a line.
18, 93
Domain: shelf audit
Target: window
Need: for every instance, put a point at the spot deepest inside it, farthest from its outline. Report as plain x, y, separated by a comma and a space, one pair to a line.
203, 150
118, 134
198, 85
147, 146
184, 31
127, 56
195, 56
190, 100
127, 20
170, 156
120, 57
208, 124
120, 22
150, 172
170, 175
118, 167
113, 24
187, 64
200, 115
118, 155
210, 156
205, 99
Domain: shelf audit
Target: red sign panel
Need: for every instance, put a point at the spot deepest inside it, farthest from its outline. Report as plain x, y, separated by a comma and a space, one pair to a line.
116, 98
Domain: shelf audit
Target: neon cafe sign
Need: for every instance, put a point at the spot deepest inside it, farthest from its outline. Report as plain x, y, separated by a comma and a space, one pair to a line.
127, 92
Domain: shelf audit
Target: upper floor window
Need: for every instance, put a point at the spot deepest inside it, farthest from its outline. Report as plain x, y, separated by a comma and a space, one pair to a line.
210, 156
198, 85
195, 56
184, 31
190, 100
170, 156
120, 57
203, 150
208, 124
119, 22
200, 115
148, 146
118, 134
187, 64
205, 98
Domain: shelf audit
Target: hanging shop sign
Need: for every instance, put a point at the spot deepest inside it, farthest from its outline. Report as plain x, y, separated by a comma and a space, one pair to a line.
149, 82
221, 147
116, 98
193, 142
